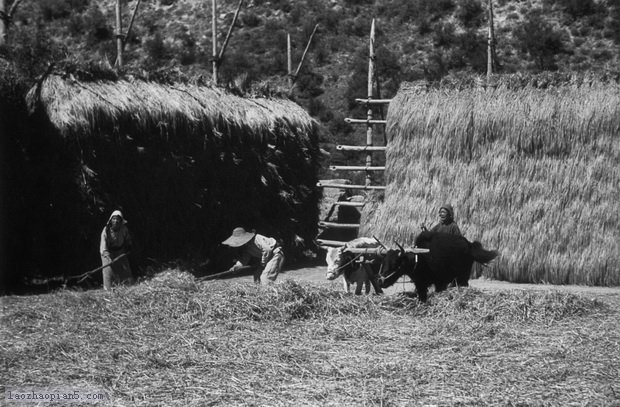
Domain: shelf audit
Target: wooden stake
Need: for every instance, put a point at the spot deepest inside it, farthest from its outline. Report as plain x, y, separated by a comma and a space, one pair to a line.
289, 60
119, 36
214, 39
230, 30
133, 16
371, 75
4, 22
490, 43
303, 56
5, 19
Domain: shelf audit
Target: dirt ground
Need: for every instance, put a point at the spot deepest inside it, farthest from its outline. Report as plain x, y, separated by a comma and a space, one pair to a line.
316, 274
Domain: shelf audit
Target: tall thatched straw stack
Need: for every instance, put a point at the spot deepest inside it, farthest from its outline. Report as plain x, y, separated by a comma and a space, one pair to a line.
186, 164
533, 172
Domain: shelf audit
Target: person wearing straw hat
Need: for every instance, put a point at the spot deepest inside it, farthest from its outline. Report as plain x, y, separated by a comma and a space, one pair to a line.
114, 248
251, 245
446, 221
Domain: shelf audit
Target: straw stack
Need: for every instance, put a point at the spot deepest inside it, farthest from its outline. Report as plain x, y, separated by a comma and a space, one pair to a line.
530, 171
186, 164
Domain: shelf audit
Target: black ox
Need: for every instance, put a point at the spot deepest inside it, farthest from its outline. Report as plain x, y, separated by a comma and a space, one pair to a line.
449, 260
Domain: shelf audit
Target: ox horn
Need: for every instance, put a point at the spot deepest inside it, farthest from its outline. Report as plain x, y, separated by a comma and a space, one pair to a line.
379, 241
402, 250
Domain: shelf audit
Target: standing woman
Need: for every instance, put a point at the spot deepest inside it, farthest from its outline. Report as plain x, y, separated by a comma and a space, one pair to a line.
115, 241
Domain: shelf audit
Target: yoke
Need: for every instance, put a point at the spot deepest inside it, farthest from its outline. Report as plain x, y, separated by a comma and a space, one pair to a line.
380, 251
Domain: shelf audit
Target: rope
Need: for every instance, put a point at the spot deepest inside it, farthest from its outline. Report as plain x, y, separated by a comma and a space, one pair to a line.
346, 264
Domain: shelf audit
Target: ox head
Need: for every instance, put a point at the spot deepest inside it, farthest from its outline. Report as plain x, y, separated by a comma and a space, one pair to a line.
334, 259
395, 264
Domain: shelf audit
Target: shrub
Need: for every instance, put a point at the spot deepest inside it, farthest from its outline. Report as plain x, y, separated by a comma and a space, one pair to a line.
155, 48
55, 9
97, 26
444, 35
470, 13
578, 8
540, 40
613, 23
250, 19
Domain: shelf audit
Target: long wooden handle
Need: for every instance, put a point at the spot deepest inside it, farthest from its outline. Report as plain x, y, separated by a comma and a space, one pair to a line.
226, 273
82, 277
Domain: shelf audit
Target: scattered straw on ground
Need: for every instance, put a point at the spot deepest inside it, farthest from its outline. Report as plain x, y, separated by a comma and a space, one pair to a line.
175, 341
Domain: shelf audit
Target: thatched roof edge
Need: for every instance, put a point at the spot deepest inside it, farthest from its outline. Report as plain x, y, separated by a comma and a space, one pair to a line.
86, 107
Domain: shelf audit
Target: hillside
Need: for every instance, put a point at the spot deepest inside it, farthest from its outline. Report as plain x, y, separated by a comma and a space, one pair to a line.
416, 39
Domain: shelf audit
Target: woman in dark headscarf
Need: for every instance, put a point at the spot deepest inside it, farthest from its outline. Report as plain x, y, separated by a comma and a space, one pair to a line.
446, 221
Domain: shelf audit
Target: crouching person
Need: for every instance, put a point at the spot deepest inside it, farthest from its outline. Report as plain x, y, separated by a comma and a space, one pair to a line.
115, 242
254, 246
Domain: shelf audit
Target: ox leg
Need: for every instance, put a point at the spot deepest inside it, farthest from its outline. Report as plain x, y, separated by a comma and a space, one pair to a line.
440, 287
372, 279
375, 285
422, 292
346, 285
462, 281
358, 287
367, 287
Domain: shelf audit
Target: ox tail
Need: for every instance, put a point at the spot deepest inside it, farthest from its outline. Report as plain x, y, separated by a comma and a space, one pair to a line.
480, 254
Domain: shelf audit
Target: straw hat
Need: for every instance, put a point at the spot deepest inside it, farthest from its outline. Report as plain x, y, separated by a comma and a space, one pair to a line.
238, 238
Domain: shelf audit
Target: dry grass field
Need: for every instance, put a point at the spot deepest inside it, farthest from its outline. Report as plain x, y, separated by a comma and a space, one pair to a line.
176, 341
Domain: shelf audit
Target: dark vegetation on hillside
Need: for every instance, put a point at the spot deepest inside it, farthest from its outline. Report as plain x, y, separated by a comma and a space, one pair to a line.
416, 39
429, 40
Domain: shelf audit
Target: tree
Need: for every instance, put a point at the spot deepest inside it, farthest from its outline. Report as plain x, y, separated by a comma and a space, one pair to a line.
540, 40
6, 15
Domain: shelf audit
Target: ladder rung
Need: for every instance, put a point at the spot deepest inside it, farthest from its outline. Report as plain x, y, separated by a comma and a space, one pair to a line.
355, 168
347, 186
336, 225
347, 203
364, 121
373, 101
330, 243
361, 148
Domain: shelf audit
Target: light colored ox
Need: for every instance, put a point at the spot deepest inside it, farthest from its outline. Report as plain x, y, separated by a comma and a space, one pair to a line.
343, 263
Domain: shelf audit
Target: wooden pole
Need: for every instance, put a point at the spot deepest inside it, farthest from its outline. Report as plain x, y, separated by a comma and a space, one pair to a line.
133, 17
289, 60
303, 56
373, 102
490, 43
220, 56
336, 225
371, 75
367, 121
119, 35
214, 39
360, 148
349, 186
5, 19
4, 22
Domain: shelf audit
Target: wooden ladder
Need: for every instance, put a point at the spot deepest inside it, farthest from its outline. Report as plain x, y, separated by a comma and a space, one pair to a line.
369, 149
